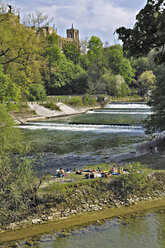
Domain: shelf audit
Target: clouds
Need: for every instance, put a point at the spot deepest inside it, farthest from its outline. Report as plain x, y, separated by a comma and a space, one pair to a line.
99, 17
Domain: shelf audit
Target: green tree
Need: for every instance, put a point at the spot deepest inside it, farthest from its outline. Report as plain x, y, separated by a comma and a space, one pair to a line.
18, 183
148, 31
19, 51
37, 92
147, 34
95, 71
155, 122
9, 91
95, 48
71, 51
146, 82
118, 63
115, 84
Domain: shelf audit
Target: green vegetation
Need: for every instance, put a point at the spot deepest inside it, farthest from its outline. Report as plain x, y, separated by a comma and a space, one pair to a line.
33, 65
147, 39
51, 105
134, 182
18, 183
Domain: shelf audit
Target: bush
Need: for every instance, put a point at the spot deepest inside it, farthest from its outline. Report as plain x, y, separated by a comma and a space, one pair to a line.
51, 105
37, 92
134, 182
18, 183
89, 100
75, 101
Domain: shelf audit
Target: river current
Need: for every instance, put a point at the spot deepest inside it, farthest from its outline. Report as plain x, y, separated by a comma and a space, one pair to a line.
101, 135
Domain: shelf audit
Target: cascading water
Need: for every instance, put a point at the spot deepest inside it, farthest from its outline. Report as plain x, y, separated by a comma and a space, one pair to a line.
99, 136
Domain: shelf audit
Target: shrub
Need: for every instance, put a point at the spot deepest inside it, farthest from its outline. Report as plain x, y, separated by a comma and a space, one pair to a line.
89, 100
37, 92
134, 182
75, 101
51, 105
18, 183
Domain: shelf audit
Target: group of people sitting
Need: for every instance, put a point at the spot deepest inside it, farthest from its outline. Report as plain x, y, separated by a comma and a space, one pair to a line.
88, 173
100, 173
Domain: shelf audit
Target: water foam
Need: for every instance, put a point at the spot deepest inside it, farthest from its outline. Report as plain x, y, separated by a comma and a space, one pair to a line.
128, 106
82, 127
119, 112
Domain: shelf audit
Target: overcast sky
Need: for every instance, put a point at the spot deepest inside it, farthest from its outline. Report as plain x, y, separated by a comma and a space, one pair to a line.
91, 17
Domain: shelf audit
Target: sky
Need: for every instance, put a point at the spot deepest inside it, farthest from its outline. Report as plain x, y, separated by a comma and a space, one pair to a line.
92, 17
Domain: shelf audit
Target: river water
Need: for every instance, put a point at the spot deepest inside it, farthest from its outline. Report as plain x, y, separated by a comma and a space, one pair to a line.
102, 135
99, 136
139, 231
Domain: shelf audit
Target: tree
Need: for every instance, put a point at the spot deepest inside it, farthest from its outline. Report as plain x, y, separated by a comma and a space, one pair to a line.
95, 47
115, 84
118, 63
146, 82
139, 65
147, 34
71, 51
37, 20
155, 122
148, 31
9, 91
37, 92
96, 69
84, 46
18, 182
20, 55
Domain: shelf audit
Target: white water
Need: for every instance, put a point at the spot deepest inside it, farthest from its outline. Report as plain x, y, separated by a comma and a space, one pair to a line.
120, 112
82, 127
128, 106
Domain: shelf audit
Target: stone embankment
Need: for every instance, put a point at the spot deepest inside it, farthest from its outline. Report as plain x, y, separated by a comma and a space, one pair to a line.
97, 196
41, 112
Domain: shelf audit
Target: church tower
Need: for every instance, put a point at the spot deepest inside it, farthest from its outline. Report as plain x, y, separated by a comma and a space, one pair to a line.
73, 34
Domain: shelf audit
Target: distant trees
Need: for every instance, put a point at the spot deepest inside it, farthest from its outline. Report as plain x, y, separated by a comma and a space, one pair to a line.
32, 60
146, 82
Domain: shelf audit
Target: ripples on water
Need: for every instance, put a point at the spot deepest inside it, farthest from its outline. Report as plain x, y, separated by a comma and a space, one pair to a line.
91, 138
95, 137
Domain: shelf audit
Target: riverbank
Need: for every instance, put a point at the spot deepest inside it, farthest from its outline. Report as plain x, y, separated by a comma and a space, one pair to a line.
65, 203
36, 112
64, 226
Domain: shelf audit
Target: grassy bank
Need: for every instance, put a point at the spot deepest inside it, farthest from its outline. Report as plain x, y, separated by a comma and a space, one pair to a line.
73, 201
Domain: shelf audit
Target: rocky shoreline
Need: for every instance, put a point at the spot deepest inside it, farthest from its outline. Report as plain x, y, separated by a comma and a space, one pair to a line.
96, 196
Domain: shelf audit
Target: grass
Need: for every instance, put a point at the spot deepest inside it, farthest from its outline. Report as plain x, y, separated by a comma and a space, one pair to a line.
51, 105
74, 181
128, 99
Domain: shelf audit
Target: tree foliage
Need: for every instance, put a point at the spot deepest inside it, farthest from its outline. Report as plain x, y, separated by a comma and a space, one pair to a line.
148, 31
30, 57
146, 82
18, 183
148, 34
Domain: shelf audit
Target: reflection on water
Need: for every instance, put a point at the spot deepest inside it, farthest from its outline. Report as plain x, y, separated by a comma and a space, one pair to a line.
147, 231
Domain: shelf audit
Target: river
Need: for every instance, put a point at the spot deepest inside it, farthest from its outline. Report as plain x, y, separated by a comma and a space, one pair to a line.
99, 136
